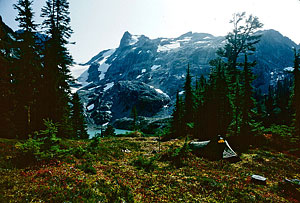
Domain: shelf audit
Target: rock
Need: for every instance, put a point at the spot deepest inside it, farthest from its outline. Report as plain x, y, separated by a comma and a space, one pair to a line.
259, 179
126, 150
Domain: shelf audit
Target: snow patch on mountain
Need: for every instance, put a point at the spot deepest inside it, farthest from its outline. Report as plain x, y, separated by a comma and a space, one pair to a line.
202, 42
77, 70
160, 91
154, 67
186, 39
108, 86
82, 79
103, 65
168, 47
289, 69
134, 39
91, 107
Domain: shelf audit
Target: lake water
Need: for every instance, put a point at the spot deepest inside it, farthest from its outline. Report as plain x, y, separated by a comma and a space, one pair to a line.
93, 132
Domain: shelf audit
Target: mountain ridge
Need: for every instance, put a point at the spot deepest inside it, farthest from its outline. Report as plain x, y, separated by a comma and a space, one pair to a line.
161, 63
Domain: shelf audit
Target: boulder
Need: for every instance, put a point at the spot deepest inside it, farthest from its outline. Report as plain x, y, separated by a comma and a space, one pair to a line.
257, 179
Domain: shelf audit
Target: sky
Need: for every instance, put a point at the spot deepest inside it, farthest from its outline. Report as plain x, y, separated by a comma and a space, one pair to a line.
100, 24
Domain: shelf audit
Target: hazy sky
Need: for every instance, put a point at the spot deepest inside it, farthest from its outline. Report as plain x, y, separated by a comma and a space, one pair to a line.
100, 24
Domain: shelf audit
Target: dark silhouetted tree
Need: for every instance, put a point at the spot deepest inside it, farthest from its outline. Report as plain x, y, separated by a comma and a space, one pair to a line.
296, 93
56, 89
7, 100
177, 123
77, 118
241, 40
27, 71
189, 103
134, 115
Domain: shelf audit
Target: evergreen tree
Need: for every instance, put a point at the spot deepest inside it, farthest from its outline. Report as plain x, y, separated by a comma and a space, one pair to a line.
217, 109
134, 116
7, 102
77, 117
56, 64
199, 119
247, 101
296, 93
189, 104
109, 131
177, 126
241, 40
26, 72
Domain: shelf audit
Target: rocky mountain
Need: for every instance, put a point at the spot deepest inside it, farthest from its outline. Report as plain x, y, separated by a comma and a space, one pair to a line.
147, 73
7, 37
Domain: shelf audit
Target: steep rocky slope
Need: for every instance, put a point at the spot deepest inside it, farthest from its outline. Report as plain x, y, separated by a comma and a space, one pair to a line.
146, 73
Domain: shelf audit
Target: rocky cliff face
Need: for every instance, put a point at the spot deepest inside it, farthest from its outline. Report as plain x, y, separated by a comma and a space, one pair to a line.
146, 73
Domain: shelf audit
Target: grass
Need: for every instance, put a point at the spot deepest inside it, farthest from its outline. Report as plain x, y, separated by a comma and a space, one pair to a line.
126, 170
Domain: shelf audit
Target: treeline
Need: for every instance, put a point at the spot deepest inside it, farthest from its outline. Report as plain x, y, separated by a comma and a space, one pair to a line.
225, 103
35, 75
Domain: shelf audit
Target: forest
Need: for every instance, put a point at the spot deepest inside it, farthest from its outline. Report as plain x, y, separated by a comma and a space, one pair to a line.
48, 156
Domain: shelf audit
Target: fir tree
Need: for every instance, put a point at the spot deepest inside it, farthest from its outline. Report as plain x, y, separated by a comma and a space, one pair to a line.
7, 101
296, 93
134, 116
247, 101
241, 40
217, 109
177, 127
26, 72
77, 117
199, 119
189, 104
56, 64
109, 131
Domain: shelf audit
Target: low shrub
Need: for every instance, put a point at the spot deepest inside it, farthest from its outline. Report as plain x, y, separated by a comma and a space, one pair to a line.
177, 155
144, 163
87, 167
44, 145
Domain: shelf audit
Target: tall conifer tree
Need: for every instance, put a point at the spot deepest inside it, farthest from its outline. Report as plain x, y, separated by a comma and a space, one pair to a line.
177, 123
56, 63
242, 39
189, 102
217, 109
77, 117
199, 119
247, 100
26, 71
7, 103
296, 93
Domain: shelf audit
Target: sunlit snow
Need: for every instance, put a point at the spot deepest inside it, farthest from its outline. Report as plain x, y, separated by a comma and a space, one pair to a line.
143, 70
159, 91
104, 66
289, 69
83, 78
202, 42
90, 107
108, 86
186, 39
134, 39
168, 47
77, 70
154, 67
